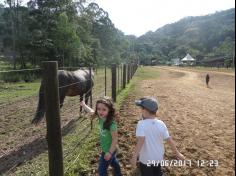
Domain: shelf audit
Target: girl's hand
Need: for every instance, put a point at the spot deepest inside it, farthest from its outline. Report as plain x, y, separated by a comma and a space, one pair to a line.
133, 161
107, 156
82, 103
180, 156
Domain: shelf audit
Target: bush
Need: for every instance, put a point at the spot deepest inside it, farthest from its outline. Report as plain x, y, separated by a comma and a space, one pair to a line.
10, 77
27, 76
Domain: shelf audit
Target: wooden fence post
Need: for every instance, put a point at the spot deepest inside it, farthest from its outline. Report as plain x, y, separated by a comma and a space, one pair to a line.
121, 77
132, 70
118, 78
128, 74
113, 82
124, 75
51, 96
105, 80
91, 93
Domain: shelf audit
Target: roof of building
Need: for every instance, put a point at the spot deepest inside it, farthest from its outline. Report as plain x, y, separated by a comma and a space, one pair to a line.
188, 57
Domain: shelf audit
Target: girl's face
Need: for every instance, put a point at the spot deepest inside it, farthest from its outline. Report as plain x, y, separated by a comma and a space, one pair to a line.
102, 110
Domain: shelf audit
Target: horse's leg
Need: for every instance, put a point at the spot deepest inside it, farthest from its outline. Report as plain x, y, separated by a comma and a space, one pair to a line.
81, 99
87, 97
62, 98
62, 95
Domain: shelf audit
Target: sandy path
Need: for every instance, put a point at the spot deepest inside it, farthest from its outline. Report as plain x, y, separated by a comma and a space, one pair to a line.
201, 120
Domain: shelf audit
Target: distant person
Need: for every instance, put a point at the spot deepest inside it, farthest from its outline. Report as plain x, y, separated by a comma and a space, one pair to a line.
207, 80
150, 133
106, 114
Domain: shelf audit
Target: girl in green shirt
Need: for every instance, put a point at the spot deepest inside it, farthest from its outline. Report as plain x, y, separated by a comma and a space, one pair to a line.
105, 111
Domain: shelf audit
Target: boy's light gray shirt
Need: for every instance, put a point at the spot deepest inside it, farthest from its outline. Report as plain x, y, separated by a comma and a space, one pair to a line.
155, 132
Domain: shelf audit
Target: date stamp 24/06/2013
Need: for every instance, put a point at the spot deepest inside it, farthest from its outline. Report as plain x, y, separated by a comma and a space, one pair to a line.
183, 163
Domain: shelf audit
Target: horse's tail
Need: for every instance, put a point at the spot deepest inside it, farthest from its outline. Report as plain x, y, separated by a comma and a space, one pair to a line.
41, 106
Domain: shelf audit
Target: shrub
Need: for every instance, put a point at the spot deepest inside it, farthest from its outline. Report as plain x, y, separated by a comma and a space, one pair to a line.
27, 76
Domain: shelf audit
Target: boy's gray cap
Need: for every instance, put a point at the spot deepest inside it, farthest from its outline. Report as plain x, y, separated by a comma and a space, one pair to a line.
148, 103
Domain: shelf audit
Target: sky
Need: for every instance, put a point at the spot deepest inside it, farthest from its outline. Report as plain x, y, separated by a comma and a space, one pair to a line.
136, 17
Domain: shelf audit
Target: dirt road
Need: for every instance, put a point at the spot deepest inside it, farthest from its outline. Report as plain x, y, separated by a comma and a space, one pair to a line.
201, 120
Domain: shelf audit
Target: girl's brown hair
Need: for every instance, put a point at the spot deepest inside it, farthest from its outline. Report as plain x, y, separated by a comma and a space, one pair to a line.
107, 101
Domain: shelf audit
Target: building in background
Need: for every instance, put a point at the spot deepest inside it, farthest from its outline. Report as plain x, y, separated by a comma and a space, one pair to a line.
188, 60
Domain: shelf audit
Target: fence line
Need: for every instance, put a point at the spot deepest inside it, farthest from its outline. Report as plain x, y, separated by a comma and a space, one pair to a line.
120, 76
32, 69
122, 81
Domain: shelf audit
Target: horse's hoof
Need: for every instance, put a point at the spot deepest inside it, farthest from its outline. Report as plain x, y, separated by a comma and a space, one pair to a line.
35, 122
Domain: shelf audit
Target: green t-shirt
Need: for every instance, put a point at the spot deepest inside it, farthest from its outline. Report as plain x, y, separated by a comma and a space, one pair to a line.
105, 135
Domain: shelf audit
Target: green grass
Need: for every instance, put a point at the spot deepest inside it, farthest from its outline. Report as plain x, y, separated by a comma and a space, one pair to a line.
16, 91
4, 65
147, 73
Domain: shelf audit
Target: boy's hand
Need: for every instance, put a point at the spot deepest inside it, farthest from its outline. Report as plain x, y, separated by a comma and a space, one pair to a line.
133, 161
107, 156
180, 156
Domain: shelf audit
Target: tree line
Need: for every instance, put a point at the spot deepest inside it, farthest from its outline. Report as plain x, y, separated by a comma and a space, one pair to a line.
74, 33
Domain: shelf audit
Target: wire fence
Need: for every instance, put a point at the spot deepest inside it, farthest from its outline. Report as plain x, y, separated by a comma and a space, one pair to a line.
24, 107
100, 89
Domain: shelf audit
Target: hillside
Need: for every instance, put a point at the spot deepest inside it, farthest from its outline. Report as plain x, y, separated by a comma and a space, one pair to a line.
212, 35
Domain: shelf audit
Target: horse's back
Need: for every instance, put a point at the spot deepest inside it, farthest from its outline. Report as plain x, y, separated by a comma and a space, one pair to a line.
83, 73
75, 82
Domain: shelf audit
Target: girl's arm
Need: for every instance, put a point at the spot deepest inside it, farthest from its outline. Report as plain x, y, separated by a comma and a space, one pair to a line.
174, 149
138, 147
114, 143
114, 135
86, 107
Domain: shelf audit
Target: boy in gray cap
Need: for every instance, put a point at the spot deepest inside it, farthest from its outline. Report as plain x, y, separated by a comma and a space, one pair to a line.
150, 133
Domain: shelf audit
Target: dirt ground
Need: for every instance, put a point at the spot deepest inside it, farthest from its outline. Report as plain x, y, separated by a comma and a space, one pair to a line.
201, 120
20, 140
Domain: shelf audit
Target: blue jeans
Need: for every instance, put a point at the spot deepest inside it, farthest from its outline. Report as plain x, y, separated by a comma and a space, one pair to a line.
103, 165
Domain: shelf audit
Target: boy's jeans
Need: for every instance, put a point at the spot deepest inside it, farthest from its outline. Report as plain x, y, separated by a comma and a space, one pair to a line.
103, 165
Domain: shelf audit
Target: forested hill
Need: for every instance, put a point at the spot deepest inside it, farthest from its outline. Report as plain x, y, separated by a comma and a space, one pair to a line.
211, 35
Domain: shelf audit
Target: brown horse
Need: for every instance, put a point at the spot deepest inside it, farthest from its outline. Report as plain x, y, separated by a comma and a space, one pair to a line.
71, 83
